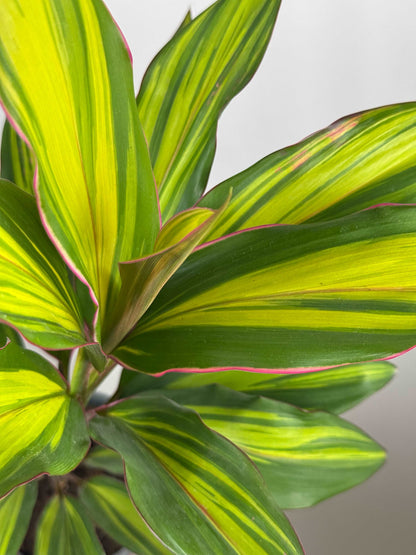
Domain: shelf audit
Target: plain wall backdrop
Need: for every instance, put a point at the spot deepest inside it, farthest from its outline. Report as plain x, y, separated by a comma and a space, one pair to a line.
326, 59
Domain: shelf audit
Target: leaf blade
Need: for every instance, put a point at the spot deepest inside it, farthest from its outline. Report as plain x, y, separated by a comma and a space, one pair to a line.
357, 162
286, 297
109, 505
17, 162
15, 512
72, 96
304, 457
188, 85
43, 429
65, 529
173, 461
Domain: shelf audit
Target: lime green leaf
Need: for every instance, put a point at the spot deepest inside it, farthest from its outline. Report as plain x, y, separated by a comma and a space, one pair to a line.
72, 96
143, 279
196, 491
15, 512
304, 457
178, 227
17, 161
36, 295
104, 459
286, 297
188, 85
43, 430
109, 505
360, 161
335, 390
65, 529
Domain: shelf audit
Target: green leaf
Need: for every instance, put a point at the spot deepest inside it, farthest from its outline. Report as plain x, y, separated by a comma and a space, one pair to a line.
357, 162
188, 85
9, 334
15, 512
36, 295
43, 430
304, 457
104, 459
286, 297
17, 161
109, 505
143, 279
71, 94
66, 529
335, 390
196, 491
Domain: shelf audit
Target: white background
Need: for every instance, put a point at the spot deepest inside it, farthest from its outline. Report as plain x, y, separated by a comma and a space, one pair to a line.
327, 59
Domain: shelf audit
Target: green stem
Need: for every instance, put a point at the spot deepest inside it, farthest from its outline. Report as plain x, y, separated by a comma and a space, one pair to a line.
97, 378
80, 374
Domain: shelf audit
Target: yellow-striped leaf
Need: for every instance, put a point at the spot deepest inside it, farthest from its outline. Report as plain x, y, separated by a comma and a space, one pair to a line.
109, 505
15, 512
72, 96
188, 85
335, 390
104, 459
36, 295
17, 162
196, 491
287, 297
43, 430
304, 457
66, 529
141, 280
357, 162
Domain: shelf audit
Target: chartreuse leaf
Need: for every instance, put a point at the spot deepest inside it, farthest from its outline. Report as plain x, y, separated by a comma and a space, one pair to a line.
36, 295
188, 85
72, 96
357, 162
286, 297
104, 459
141, 280
304, 457
66, 529
196, 491
335, 390
15, 512
43, 430
17, 161
109, 505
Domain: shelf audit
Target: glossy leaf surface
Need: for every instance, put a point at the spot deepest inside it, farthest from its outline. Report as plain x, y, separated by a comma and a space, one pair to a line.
17, 161
357, 162
188, 85
287, 297
335, 390
43, 430
66, 529
36, 295
196, 491
109, 505
15, 512
71, 94
304, 457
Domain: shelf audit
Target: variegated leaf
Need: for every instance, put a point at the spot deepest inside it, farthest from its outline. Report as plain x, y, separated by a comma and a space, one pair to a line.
196, 491
71, 94
17, 162
288, 298
43, 430
357, 162
188, 85
15, 512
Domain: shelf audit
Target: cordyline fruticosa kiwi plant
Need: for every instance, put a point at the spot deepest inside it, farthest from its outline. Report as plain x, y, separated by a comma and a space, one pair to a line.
218, 308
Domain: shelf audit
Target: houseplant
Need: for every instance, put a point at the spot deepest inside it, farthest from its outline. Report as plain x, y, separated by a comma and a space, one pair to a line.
219, 287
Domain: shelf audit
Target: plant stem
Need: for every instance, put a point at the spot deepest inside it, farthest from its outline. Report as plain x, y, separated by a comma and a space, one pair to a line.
80, 374
97, 378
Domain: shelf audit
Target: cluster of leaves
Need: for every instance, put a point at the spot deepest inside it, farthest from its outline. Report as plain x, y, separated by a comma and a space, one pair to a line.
218, 307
